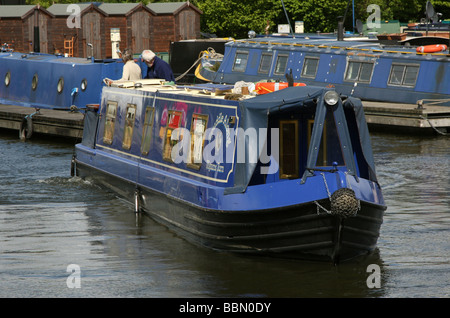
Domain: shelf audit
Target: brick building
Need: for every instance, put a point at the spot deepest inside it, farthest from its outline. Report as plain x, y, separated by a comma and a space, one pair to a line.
18, 24
64, 28
135, 22
174, 21
82, 24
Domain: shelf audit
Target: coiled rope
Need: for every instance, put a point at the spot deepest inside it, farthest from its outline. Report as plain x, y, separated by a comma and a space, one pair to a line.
210, 53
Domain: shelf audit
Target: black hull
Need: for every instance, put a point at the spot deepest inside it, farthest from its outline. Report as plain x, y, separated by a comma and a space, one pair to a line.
296, 232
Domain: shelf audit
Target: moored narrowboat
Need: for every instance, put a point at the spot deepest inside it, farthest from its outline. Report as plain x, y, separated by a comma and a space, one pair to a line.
367, 70
47, 81
286, 174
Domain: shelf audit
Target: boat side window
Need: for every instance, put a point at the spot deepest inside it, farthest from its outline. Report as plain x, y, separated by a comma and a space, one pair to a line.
240, 61
265, 62
110, 121
289, 149
129, 126
198, 127
173, 122
280, 66
310, 66
147, 132
403, 74
359, 71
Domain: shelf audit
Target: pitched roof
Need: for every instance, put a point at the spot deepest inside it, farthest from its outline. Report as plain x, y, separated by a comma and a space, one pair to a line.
61, 9
122, 8
20, 11
170, 7
14, 11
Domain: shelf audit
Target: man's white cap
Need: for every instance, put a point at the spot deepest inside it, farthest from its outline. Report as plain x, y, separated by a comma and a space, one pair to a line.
148, 55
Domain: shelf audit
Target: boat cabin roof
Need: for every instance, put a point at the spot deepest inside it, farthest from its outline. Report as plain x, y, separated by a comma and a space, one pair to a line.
219, 91
330, 44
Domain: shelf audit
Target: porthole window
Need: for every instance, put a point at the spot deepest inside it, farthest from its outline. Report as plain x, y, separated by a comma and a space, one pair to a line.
7, 78
60, 86
34, 82
83, 84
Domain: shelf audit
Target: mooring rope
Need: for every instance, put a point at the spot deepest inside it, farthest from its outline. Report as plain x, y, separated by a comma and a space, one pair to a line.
210, 52
434, 128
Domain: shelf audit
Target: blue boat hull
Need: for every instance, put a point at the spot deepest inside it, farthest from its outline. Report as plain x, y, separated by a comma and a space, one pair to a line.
234, 206
53, 82
291, 232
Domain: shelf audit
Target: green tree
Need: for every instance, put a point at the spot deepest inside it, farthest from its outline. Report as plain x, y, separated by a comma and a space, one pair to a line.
235, 17
317, 15
442, 6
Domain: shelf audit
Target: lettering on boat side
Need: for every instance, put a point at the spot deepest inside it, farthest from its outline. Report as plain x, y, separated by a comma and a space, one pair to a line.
235, 307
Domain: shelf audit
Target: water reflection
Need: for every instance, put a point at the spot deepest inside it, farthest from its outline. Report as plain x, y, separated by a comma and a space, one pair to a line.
49, 220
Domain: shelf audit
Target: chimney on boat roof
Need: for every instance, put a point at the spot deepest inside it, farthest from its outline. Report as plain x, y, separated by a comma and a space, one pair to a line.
340, 32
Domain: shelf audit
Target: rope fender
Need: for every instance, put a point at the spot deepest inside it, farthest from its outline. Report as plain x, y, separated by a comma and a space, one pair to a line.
343, 201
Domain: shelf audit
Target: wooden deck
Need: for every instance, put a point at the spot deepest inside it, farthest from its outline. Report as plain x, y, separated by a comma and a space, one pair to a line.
408, 117
49, 122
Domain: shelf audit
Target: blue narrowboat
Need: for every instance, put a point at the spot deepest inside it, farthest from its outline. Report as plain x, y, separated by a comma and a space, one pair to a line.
287, 174
47, 81
367, 70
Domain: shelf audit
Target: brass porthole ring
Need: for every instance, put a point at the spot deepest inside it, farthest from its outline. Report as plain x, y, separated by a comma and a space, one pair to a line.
7, 78
60, 85
34, 82
83, 84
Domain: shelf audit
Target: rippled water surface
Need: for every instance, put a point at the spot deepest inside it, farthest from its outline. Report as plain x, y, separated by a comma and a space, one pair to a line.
49, 221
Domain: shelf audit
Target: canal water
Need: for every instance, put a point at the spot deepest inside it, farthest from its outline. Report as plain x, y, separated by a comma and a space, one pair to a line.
65, 237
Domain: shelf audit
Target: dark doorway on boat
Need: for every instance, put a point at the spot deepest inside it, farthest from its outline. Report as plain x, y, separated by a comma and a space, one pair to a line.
295, 131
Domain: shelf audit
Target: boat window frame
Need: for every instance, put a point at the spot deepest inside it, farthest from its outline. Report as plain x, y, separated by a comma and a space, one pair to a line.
147, 126
238, 69
260, 69
322, 153
111, 118
360, 67
167, 153
405, 67
286, 55
191, 162
307, 58
127, 138
296, 174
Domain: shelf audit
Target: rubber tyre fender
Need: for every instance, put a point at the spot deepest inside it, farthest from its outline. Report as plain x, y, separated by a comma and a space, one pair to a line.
26, 128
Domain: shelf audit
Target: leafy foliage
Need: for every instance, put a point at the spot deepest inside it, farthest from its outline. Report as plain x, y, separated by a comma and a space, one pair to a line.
235, 18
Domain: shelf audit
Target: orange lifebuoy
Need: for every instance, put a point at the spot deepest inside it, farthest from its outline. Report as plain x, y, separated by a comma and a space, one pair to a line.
269, 87
431, 48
